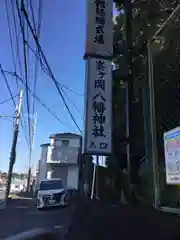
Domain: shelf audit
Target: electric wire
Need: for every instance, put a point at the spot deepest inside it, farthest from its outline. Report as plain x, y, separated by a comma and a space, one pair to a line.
7, 119
26, 36
10, 36
44, 69
12, 50
25, 66
7, 100
37, 98
10, 92
38, 35
69, 89
37, 56
7, 85
33, 17
16, 36
73, 104
49, 69
36, 61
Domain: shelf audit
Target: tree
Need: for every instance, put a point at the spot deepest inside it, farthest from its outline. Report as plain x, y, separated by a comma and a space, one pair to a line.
147, 17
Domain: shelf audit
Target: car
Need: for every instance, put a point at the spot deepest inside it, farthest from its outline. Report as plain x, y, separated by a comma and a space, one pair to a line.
51, 193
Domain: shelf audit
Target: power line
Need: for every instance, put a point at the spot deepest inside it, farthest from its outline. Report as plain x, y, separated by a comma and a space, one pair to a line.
27, 37
38, 57
33, 17
73, 104
46, 72
7, 100
69, 89
25, 66
16, 36
9, 89
38, 35
7, 85
17, 52
10, 36
37, 98
36, 61
49, 69
7, 119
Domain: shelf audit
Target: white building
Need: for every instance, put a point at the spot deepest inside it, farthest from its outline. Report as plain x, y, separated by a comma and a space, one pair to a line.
60, 159
41, 171
18, 185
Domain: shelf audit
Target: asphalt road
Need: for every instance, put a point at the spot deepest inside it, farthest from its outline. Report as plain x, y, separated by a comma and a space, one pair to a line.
22, 215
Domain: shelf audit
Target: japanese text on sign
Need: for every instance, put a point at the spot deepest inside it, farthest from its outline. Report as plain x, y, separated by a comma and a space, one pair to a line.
100, 21
99, 99
99, 35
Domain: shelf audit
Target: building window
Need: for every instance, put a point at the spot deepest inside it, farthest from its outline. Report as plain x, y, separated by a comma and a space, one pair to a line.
65, 143
58, 143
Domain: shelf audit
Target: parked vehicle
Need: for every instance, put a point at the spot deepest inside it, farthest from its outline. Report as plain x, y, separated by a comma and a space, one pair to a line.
51, 193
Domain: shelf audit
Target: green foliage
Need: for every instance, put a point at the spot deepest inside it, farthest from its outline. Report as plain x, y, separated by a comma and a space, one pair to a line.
14, 175
148, 15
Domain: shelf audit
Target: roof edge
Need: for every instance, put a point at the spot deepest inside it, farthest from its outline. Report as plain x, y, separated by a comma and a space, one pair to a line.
45, 144
65, 135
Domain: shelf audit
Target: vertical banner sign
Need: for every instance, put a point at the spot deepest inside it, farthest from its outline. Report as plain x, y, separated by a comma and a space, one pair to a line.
98, 107
172, 155
99, 27
98, 52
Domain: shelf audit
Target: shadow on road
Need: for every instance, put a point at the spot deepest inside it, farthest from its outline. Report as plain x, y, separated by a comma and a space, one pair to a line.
95, 220
21, 215
25, 195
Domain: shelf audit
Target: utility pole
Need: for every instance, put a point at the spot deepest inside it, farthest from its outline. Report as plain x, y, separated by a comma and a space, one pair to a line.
13, 148
30, 153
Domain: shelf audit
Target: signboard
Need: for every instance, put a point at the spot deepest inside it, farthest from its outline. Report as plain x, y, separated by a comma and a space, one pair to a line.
172, 155
97, 139
99, 27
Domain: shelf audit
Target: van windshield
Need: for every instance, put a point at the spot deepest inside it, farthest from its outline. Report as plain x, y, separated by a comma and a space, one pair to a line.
51, 185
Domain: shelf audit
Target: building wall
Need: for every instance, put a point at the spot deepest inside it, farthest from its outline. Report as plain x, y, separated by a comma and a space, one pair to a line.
73, 176
58, 142
68, 173
59, 152
59, 159
63, 154
60, 172
42, 165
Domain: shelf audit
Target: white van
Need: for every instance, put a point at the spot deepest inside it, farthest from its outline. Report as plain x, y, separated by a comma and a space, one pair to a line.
51, 193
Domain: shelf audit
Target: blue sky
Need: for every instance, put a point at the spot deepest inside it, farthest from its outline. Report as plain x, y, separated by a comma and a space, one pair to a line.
63, 40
